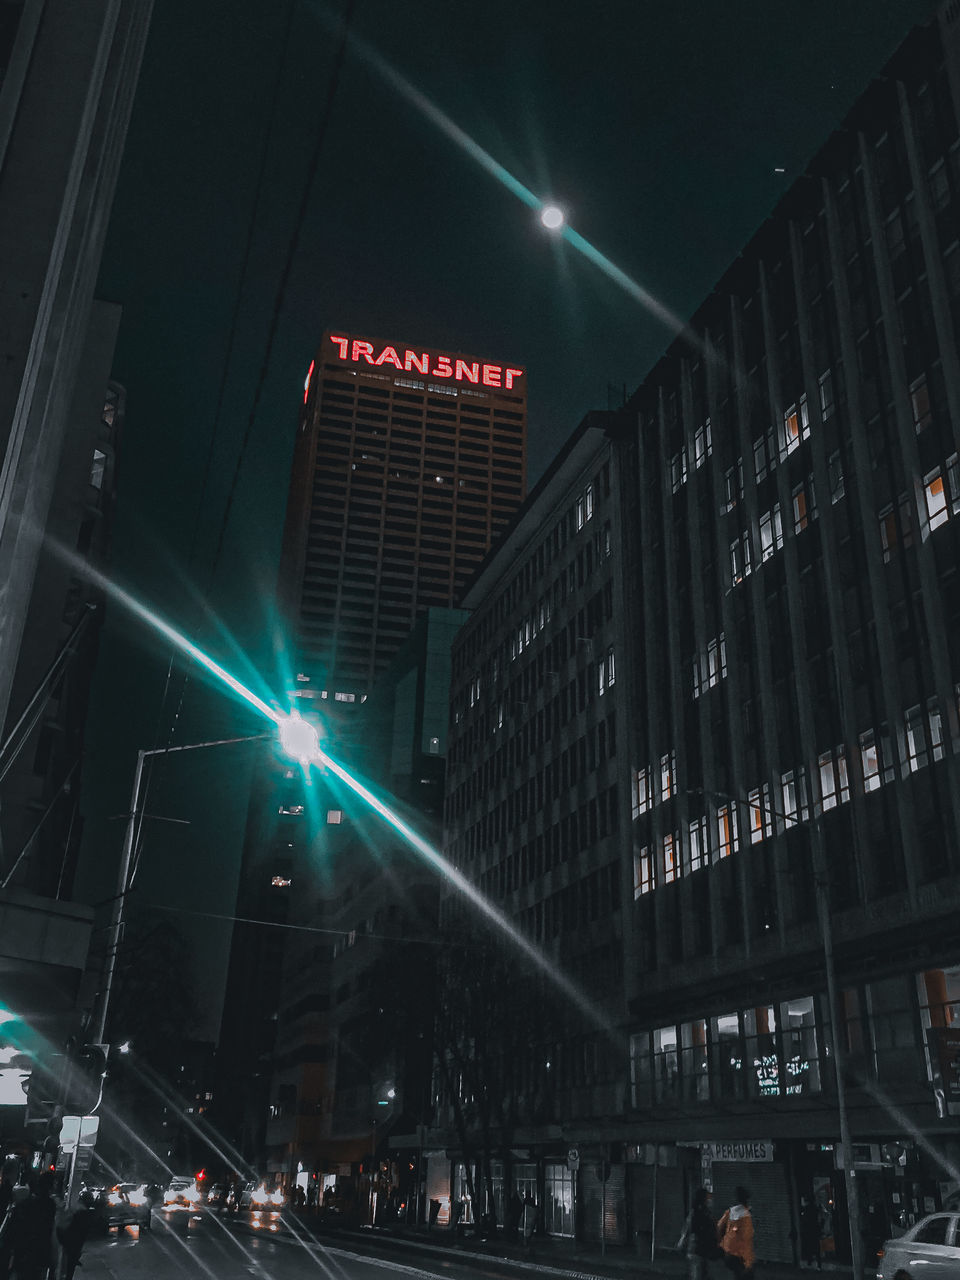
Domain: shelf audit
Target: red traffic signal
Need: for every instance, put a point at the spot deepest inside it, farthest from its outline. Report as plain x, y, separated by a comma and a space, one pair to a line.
201, 1175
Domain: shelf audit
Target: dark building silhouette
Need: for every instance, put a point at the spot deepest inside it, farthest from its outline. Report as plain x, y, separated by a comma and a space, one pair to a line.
408, 462
784, 515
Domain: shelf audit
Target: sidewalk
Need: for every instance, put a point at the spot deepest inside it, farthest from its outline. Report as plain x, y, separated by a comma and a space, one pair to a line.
565, 1258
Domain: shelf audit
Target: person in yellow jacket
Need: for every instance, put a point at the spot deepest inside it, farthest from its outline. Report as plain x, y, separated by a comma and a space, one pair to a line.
735, 1235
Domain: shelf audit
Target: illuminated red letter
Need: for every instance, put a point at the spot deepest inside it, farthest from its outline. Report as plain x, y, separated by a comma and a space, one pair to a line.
444, 368
388, 355
510, 375
342, 344
469, 371
491, 375
410, 361
364, 349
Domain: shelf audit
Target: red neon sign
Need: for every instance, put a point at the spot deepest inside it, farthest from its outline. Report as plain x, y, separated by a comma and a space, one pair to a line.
307, 381
358, 351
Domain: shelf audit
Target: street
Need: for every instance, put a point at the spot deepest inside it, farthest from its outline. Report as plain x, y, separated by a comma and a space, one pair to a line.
216, 1250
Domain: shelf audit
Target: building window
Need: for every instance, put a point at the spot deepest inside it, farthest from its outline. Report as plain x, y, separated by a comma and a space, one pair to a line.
936, 499
668, 774
916, 738
699, 848
671, 857
732, 486
835, 475
804, 505
935, 724
642, 798
740, 565
771, 533
334, 817
920, 404
834, 783
666, 1074
761, 820
710, 667
344, 697
97, 468
643, 873
607, 672
870, 761
678, 470
826, 394
702, 444
641, 1069
727, 830
796, 427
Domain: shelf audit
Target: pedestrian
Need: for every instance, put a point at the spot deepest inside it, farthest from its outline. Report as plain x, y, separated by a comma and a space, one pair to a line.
811, 1229
31, 1230
735, 1236
512, 1216
153, 1195
528, 1219
699, 1237
72, 1234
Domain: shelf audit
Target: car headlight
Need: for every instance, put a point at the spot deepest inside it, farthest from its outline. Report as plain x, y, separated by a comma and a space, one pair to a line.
191, 1194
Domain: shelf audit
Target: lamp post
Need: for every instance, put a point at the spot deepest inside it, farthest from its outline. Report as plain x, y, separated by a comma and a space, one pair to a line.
118, 910
825, 923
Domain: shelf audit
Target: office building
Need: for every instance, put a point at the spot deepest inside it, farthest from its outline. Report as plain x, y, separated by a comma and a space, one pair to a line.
787, 676
408, 462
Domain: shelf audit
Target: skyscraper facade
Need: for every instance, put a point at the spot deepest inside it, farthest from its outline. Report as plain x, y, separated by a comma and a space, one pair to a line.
785, 965
408, 462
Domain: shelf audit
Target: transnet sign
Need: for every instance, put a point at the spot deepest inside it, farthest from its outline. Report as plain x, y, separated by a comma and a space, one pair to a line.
429, 364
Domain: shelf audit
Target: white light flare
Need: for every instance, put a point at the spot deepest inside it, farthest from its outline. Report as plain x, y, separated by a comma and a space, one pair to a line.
552, 217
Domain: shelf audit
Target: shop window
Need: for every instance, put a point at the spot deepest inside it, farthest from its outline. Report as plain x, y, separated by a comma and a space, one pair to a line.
892, 1022
558, 1200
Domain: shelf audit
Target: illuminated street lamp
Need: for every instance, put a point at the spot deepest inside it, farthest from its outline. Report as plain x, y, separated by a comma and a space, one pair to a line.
552, 217
298, 739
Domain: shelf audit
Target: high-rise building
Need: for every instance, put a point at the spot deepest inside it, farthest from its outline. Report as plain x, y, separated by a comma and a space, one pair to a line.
784, 959
408, 462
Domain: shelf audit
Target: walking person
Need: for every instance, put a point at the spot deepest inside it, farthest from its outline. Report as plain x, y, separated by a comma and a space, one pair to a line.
699, 1237
735, 1236
72, 1235
811, 1229
31, 1230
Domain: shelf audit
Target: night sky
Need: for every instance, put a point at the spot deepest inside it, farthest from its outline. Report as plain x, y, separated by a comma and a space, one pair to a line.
659, 127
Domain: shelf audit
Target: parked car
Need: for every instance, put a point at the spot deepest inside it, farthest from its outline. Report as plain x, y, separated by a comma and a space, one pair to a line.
930, 1249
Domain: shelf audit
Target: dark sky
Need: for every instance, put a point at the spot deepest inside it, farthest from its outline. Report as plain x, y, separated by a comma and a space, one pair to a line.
659, 127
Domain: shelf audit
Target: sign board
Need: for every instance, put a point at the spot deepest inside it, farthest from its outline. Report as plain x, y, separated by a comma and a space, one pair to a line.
431, 364
89, 1128
69, 1133
573, 1159
753, 1151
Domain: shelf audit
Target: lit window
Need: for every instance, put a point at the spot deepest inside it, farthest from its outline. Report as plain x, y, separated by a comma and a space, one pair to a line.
761, 822
291, 810
702, 444
643, 876
280, 882
344, 697
935, 724
771, 533
796, 427
740, 565
641, 792
870, 761
611, 668
920, 404
936, 497
788, 786
834, 783
671, 865
668, 774
334, 817
727, 830
699, 848
953, 479
97, 468
801, 511
678, 470
588, 501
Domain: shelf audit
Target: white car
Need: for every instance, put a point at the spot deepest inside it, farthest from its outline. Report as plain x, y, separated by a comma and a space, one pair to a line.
930, 1249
